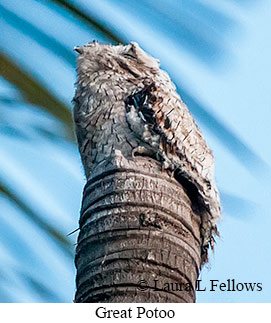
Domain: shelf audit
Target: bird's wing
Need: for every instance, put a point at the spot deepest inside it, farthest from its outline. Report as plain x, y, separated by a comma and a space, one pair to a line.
181, 142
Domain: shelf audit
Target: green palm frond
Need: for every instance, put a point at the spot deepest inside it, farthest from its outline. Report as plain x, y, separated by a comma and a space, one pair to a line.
34, 92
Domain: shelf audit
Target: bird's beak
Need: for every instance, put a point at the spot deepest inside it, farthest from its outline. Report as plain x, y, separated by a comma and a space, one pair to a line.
78, 49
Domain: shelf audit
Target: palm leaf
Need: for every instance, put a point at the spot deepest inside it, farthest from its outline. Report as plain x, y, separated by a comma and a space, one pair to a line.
50, 230
238, 207
34, 92
245, 155
35, 33
90, 21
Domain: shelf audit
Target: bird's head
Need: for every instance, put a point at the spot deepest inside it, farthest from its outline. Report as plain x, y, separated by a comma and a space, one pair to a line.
122, 59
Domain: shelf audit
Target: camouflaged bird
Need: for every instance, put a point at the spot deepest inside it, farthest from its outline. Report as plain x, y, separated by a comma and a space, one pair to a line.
124, 103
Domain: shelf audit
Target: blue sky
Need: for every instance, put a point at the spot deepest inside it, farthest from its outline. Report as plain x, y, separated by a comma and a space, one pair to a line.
228, 69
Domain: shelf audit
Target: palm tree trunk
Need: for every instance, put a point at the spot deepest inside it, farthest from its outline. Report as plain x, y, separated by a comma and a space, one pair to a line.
139, 239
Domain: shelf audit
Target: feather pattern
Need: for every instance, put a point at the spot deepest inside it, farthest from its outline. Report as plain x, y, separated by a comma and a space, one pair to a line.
125, 102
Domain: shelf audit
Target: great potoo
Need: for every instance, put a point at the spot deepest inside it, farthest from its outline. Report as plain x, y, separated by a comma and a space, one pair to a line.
124, 103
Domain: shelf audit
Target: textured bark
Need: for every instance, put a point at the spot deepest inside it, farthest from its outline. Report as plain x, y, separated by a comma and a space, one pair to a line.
136, 226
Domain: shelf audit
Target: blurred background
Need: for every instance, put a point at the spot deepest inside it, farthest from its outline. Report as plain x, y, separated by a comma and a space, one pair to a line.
218, 54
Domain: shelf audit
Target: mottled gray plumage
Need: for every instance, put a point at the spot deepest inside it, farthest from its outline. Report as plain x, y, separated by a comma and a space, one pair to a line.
125, 104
